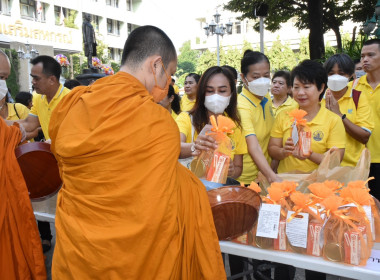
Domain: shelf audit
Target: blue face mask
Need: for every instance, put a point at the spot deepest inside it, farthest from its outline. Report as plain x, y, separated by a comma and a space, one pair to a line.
359, 73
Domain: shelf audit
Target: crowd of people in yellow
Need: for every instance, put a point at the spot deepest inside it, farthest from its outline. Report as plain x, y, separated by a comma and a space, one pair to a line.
127, 203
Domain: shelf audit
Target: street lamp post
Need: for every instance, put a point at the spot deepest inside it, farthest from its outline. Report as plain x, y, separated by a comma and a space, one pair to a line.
219, 29
370, 24
28, 54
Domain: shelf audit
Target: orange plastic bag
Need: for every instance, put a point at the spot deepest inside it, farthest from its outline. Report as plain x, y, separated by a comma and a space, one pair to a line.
301, 133
342, 236
304, 204
213, 165
361, 198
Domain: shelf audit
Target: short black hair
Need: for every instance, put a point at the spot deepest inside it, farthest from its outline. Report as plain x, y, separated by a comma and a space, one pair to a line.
283, 74
50, 67
195, 76
251, 58
232, 69
310, 72
146, 41
176, 104
371, 42
70, 84
24, 97
344, 62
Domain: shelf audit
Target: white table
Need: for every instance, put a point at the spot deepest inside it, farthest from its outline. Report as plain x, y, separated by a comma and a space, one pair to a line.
301, 261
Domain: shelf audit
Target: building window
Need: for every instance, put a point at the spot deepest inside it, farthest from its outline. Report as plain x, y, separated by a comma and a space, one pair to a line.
28, 8
115, 54
60, 17
113, 26
109, 26
238, 27
5, 7
113, 3
129, 5
129, 28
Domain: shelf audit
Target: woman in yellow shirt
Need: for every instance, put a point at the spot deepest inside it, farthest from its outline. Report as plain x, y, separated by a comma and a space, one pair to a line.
216, 95
309, 83
352, 107
191, 85
12, 111
171, 102
282, 90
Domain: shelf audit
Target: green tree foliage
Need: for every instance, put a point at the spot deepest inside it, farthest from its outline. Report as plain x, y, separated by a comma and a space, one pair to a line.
281, 56
187, 60
324, 15
205, 61
70, 19
303, 52
12, 81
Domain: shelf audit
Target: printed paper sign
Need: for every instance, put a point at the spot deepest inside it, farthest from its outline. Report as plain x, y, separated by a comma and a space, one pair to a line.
296, 229
269, 218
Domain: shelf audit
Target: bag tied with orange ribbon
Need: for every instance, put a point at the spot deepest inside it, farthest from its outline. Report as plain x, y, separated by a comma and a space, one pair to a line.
343, 235
301, 134
213, 165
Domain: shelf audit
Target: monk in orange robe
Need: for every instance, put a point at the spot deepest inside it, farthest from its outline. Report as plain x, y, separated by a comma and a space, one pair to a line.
21, 254
127, 209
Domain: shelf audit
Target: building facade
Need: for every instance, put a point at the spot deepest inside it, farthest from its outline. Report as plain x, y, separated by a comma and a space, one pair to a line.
53, 27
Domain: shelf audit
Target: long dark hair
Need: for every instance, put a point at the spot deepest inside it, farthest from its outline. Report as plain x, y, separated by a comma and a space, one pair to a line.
199, 111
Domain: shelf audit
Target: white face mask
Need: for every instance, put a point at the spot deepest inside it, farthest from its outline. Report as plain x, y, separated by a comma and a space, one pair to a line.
3, 89
337, 82
259, 86
360, 73
216, 103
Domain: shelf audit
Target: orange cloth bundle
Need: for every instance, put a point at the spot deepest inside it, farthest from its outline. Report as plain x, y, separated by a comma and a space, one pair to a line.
213, 165
301, 133
126, 204
21, 254
342, 236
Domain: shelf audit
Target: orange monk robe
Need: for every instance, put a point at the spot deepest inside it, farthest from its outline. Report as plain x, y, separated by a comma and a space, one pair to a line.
127, 209
21, 254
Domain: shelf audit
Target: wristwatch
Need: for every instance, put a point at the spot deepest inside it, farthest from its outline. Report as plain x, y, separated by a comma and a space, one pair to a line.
343, 116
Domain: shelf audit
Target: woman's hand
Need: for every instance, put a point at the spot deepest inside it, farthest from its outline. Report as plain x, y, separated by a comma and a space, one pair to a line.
288, 147
332, 104
204, 143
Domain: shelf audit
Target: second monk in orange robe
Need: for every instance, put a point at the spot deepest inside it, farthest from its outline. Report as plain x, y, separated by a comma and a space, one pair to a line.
127, 208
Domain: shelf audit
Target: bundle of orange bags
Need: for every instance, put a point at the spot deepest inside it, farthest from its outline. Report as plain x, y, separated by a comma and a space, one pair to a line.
342, 221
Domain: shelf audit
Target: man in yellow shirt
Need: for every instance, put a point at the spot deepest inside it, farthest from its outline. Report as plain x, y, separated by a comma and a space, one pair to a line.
45, 73
370, 86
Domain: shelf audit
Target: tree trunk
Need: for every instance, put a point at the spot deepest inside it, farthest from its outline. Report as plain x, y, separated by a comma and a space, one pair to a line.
338, 38
316, 41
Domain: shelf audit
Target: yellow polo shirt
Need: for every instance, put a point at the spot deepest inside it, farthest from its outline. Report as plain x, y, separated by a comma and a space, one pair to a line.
42, 109
22, 112
362, 116
176, 89
289, 104
327, 131
239, 146
174, 115
373, 96
257, 118
186, 104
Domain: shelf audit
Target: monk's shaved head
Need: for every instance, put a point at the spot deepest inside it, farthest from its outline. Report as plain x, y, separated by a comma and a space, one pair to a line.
144, 42
5, 66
